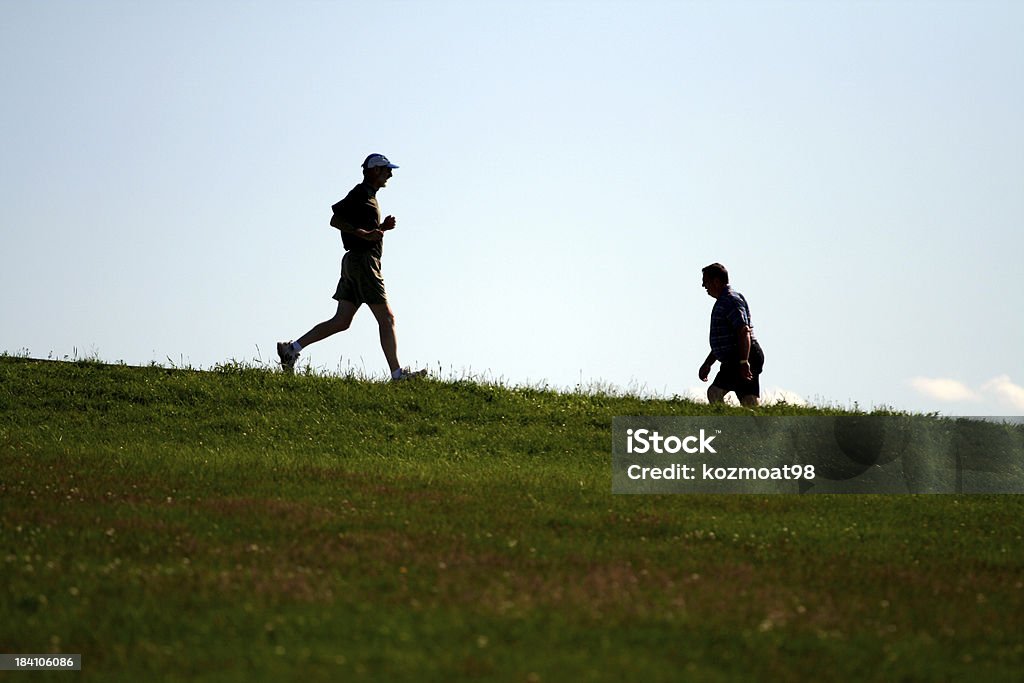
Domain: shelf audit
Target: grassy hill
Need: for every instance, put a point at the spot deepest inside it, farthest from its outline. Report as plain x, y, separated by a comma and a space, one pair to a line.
240, 525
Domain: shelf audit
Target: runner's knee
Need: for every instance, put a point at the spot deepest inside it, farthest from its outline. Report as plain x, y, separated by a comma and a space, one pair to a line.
340, 322
386, 319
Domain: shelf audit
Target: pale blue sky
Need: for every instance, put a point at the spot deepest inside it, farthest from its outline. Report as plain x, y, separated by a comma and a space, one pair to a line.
567, 168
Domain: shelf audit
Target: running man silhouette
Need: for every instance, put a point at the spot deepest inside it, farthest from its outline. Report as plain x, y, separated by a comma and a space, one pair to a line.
357, 216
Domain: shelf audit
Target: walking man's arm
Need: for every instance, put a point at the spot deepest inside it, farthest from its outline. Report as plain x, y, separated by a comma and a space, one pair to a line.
744, 342
705, 369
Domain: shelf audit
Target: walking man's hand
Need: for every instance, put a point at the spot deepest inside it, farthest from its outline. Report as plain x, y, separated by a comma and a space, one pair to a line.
703, 373
746, 372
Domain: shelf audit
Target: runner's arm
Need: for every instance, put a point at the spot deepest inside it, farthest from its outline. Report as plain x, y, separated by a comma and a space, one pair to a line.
368, 235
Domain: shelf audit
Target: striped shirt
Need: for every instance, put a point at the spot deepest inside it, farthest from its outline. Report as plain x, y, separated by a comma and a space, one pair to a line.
730, 313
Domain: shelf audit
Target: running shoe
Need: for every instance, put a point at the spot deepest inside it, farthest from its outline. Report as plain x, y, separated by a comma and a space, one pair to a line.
408, 374
288, 356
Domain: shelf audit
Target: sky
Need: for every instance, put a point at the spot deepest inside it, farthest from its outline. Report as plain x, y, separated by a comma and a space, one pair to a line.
566, 170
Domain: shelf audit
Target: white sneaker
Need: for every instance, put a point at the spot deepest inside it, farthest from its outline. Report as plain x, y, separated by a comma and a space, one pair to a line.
288, 356
408, 374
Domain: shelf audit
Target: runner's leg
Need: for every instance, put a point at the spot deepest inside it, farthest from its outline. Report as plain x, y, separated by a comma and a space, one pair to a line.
339, 323
388, 342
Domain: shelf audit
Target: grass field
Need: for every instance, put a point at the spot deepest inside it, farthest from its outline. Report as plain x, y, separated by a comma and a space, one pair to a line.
243, 525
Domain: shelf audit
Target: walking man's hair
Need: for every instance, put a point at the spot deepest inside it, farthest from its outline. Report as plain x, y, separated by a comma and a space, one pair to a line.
716, 270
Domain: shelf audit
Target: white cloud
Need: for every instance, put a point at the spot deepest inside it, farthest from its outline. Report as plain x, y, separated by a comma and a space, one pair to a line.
1006, 391
944, 389
697, 393
1001, 390
769, 396
779, 395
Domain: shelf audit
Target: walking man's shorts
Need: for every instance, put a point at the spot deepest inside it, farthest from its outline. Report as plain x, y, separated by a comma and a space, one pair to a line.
730, 376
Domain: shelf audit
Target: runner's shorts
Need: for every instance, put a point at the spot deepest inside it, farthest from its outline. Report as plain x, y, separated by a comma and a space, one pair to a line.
361, 281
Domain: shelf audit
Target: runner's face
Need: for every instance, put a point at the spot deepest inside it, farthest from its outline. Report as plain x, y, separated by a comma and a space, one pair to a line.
383, 173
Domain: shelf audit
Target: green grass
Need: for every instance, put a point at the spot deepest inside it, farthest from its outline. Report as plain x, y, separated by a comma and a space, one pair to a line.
240, 525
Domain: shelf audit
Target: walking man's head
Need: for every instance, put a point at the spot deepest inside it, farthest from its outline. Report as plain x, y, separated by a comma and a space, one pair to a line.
376, 170
714, 279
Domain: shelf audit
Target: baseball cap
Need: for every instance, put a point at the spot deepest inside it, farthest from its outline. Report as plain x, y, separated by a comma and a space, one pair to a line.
377, 160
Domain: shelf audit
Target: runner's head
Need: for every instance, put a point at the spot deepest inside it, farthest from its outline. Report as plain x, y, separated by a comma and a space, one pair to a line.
377, 169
